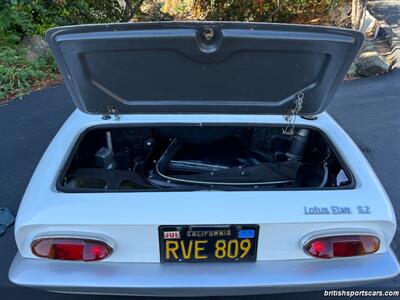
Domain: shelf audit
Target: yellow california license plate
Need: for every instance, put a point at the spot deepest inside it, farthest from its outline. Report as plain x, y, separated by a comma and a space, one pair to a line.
223, 243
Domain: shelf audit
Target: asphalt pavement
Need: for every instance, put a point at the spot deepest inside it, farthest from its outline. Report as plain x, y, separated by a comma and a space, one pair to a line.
368, 109
388, 10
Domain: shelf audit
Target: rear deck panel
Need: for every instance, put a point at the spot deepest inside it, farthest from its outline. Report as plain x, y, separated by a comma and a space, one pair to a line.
132, 219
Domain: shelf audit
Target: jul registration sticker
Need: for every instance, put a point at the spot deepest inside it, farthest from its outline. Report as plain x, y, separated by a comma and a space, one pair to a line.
172, 235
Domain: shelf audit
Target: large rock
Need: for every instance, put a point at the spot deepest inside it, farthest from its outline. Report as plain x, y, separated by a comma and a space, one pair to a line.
37, 47
352, 71
371, 63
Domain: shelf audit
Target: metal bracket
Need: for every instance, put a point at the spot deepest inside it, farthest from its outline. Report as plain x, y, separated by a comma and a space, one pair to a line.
111, 110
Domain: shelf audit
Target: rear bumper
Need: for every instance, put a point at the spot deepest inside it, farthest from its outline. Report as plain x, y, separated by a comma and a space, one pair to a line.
154, 279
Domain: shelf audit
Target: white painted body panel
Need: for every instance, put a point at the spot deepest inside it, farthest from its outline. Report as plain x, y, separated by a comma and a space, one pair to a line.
130, 220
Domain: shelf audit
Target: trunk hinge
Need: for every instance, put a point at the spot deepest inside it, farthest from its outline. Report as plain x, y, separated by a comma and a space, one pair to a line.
293, 113
111, 110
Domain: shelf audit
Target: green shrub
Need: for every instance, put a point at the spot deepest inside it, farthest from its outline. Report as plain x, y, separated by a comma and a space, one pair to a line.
298, 11
27, 17
18, 76
179, 9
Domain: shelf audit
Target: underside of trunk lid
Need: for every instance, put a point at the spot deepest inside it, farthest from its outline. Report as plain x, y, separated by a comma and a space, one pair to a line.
202, 67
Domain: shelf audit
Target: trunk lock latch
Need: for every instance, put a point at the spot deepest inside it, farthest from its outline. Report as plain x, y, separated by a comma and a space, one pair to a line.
208, 33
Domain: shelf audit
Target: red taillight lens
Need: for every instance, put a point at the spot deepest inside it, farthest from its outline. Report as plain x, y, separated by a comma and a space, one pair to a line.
342, 246
71, 249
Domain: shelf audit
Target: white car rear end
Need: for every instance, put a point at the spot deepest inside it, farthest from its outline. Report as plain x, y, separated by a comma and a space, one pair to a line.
128, 222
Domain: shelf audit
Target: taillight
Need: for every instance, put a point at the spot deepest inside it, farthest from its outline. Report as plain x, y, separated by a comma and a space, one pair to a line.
342, 246
71, 249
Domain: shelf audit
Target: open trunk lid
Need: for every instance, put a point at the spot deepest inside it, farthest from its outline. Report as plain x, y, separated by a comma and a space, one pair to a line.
202, 67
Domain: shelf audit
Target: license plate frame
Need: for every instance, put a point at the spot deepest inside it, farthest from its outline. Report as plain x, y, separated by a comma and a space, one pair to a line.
235, 237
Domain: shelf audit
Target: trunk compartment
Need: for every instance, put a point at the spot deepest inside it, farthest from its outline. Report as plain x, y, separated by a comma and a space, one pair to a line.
206, 157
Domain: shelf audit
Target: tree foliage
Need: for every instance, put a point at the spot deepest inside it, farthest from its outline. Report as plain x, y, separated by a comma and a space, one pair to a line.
26, 17
18, 75
299, 11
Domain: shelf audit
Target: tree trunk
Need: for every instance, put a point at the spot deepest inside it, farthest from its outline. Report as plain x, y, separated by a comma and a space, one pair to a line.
358, 9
